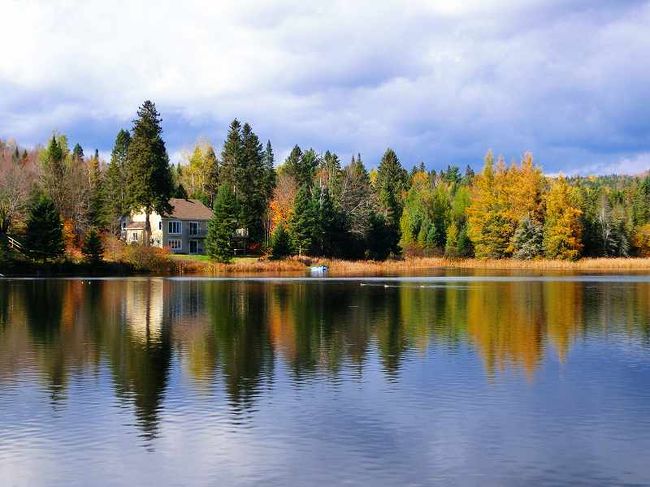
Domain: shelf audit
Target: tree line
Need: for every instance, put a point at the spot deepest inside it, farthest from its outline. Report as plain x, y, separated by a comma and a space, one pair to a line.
312, 204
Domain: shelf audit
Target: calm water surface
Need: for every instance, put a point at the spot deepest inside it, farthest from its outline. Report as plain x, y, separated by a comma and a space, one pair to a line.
448, 380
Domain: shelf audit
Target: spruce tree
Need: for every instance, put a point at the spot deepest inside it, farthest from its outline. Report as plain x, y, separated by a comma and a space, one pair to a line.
304, 225
97, 214
44, 237
116, 179
231, 156
280, 243
149, 178
222, 226
391, 182
331, 229
269, 170
381, 237
528, 239
93, 248
78, 153
252, 194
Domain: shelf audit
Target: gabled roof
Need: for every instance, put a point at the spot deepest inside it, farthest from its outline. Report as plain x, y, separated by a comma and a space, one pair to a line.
135, 226
189, 210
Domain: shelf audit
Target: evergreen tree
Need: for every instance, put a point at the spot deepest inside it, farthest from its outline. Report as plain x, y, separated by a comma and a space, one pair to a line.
180, 192
231, 156
528, 239
78, 153
44, 237
245, 167
117, 201
304, 226
381, 237
269, 170
302, 166
280, 243
391, 182
149, 178
93, 248
98, 215
222, 226
332, 232
641, 202
53, 173
253, 195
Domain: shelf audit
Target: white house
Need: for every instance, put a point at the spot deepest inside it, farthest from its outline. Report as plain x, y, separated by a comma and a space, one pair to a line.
183, 231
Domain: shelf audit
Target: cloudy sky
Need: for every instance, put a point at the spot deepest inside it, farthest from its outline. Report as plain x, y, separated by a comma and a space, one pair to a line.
439, 81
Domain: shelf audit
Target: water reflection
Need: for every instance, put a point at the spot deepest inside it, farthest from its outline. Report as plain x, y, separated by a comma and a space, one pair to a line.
233, 334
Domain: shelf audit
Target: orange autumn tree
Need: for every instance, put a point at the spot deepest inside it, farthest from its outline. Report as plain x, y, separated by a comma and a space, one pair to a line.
281, 205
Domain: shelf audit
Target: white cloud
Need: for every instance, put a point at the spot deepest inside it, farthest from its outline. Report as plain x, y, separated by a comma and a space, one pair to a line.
438, 81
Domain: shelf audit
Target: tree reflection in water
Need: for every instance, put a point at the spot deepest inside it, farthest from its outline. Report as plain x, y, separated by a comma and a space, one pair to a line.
233, 334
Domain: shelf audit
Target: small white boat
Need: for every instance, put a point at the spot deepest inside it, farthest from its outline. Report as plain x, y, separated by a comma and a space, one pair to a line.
318, 269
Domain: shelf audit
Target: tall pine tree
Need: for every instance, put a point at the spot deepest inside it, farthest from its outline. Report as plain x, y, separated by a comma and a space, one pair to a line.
392, 180
116, 179
222, 226
149, 178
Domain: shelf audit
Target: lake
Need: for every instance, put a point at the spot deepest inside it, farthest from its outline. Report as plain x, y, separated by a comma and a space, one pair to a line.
461, 380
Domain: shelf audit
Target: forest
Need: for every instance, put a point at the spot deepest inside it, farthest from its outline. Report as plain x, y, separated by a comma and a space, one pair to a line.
60, 202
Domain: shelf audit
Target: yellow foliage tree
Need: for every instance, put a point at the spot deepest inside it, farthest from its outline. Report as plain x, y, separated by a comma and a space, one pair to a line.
502, 197
563, 225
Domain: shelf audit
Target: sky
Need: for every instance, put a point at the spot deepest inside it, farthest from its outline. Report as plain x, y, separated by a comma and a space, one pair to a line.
438, 81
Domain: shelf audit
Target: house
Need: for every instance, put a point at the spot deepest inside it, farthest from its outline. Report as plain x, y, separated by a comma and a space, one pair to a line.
183, 231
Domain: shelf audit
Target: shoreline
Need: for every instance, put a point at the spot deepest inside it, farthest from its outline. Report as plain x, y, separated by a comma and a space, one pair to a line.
189, 266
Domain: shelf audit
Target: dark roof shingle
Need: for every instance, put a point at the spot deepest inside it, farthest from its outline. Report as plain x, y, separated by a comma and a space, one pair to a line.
189, 210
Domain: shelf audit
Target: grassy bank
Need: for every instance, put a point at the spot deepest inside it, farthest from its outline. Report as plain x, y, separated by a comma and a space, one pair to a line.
154, 262
201, 265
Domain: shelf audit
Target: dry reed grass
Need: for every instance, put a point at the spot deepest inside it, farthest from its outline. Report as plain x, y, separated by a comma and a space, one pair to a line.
418, 264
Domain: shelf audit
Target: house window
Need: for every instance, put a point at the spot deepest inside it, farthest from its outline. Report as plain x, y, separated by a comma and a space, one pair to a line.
194, 228
135, 237
174, 227
175, 244
160, 225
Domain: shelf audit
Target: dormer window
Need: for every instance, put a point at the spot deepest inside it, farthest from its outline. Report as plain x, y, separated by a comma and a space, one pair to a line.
174, 227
